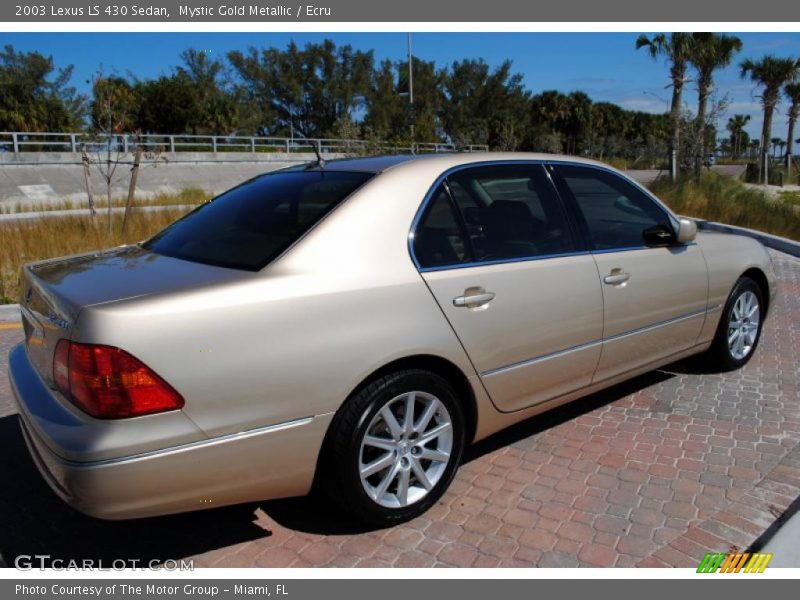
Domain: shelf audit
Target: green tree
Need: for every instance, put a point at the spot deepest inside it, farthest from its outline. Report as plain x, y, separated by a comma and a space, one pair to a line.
114, 105
35, 96
308, 90
483, 106
709, 52
739, 137
608, 129
792, 91
428, 99
386, 110
164, 105
770, 73
213, 109
676, 48
777, 144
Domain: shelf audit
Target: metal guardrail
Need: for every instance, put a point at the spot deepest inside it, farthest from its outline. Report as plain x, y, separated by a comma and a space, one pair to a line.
15, 141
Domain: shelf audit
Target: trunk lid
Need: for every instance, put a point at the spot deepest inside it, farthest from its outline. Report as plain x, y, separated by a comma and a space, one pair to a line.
55, 291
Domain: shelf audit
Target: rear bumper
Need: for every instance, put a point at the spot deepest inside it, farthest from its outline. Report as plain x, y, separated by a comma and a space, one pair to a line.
272, 462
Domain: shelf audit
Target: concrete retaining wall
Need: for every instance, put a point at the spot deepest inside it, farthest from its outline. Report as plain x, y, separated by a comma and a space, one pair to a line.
41, 178
50, 177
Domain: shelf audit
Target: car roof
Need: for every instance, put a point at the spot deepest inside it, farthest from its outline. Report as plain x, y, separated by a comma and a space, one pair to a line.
446, 160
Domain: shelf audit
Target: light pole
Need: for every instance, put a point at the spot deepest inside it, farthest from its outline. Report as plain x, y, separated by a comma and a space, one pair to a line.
673, 154
411, 90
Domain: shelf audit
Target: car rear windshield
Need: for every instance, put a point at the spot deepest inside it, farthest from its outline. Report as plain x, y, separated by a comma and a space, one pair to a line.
250, 225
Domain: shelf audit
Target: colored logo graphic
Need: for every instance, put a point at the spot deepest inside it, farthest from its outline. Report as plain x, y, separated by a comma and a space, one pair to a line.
734, 563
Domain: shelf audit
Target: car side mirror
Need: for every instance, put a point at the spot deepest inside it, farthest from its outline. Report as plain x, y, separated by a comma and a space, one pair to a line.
687, 231
658, 235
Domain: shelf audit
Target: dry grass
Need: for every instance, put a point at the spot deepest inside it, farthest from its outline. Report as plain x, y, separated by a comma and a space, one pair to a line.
27, 241
186, 196
790, 197
726, 200
715, 197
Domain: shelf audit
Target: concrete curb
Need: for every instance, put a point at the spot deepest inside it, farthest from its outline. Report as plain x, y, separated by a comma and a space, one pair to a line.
770, 241
9, 313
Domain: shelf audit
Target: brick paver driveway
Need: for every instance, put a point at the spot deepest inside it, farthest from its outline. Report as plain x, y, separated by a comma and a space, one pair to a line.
654, 472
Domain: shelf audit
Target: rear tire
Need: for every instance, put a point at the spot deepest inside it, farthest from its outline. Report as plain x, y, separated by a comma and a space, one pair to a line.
739, 329
384, 468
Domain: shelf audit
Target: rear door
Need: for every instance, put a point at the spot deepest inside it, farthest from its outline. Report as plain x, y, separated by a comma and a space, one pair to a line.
654, 298
497, 251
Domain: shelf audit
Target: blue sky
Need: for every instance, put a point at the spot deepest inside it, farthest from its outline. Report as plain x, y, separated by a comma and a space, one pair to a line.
604, 65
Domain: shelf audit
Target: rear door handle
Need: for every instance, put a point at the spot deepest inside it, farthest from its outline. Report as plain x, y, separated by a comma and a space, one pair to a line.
473, 298
616, 277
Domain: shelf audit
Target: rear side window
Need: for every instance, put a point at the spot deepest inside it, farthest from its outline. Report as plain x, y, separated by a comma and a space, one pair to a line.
615, 211
439, 239
250, 225
511, 212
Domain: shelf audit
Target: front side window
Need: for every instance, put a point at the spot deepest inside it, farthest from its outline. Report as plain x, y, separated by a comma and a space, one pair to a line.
616, 212
250, 225
511, 211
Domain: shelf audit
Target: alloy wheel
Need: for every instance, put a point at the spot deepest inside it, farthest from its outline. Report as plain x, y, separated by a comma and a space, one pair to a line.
743, 325
406, 449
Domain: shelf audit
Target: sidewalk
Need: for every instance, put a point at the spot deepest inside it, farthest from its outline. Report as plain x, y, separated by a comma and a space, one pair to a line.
785, 544
9, 314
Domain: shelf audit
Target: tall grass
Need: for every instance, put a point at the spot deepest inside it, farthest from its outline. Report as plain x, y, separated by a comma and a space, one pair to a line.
790, 197
27, 241
726, 200
185, 196
714, 197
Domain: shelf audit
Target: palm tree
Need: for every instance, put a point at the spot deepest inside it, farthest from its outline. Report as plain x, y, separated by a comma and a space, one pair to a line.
775, 143
676, 47
579, 120
709, 52
771, 73
736, 125
553, 108
755, 145
792, 91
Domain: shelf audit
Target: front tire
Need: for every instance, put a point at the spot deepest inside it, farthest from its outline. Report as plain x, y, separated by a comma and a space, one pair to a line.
395, 447
739, 330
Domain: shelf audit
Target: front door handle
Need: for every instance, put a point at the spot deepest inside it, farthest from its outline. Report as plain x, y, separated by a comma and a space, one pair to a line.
616, 277
473, 298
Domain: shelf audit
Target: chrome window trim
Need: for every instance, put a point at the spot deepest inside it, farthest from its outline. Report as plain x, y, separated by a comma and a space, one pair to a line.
592, 343
533, 162
504, 261
672, 217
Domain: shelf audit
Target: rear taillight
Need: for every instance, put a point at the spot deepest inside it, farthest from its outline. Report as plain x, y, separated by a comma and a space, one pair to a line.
109, 383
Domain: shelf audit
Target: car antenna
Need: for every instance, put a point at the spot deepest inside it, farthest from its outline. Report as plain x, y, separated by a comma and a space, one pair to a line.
320, 162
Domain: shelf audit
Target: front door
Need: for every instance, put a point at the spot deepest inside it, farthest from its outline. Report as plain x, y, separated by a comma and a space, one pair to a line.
654, 298
497, 252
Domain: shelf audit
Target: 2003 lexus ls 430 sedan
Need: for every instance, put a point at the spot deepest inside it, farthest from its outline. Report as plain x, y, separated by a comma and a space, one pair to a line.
355, 324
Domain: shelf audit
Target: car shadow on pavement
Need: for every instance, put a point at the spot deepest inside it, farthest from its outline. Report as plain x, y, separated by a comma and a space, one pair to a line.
694, 365
562, 414
314, 515
33, 520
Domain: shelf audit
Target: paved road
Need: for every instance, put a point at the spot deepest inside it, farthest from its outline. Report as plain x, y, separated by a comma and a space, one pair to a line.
649, 175
655, 472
